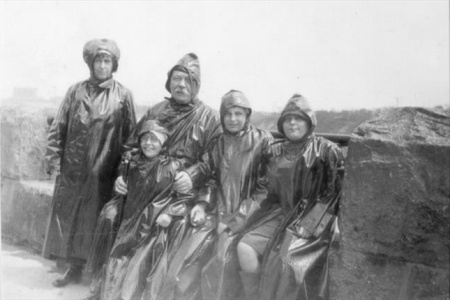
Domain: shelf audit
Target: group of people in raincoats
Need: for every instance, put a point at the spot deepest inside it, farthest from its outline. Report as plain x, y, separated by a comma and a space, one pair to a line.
188, 203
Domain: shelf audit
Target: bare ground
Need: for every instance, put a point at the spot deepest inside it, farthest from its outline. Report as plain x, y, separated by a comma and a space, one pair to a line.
27, 275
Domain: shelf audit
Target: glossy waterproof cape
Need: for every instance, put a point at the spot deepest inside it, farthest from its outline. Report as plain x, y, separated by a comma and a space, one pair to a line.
149, 195
238, 163
307, 172
85, 144
192, 129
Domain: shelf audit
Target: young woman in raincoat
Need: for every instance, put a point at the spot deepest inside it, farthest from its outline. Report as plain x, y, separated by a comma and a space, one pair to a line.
285, 254
145, 213
238, 165
85, 143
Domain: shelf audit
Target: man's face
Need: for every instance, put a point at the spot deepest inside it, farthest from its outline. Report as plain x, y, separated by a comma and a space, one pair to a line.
295, 127
150, 145
234, 119
103, 65
180, 87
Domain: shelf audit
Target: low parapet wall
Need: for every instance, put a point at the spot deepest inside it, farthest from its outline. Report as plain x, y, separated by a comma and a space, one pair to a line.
25, 208
26, 189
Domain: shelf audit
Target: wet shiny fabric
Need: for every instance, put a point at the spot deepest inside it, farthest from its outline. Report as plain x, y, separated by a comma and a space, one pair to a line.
178, 277
238, 163
149, 195
296, 267
85, 145
104, 237
192, 130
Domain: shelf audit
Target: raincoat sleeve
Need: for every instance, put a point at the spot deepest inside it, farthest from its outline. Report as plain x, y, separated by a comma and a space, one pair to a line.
210, 187
178, 206
249, 206
57, 134
200, 171
334, 168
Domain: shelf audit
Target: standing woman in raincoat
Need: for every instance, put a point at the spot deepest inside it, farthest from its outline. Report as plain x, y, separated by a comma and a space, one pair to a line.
192, 127
84, 147
288, 249
238, 163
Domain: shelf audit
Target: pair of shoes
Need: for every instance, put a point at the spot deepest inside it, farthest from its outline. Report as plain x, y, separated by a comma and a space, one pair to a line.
73, 274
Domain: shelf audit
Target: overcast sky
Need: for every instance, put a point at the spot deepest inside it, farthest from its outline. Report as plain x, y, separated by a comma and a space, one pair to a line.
338, 54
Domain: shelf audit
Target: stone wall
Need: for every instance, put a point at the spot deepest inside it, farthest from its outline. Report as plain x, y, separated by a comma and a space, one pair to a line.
26, 189
395, 214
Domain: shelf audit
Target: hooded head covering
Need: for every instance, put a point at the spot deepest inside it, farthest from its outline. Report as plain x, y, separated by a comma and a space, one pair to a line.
299, 106
154, 127
98, 46
189, 64
234, 99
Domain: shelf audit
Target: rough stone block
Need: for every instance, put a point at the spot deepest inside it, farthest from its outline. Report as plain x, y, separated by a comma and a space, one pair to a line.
24, 140
367, 276
25, 210
395, 214
397, 188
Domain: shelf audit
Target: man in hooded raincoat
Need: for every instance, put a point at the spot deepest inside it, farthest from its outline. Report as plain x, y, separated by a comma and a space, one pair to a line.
304, 184
84, 147
192, 127
238, 162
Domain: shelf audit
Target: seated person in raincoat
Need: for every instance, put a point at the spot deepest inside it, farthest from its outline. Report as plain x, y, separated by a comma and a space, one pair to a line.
193, 126
148, 208
285, 254
238, 164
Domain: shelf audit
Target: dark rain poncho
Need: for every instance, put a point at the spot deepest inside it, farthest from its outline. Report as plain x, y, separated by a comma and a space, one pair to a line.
306, 172
192, 129
85, 144
149, 195
238, 164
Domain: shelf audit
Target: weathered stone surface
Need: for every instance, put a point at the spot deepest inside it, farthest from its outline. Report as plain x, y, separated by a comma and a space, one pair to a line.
25, 210
366, 276
407, 125
395, 214
24, 139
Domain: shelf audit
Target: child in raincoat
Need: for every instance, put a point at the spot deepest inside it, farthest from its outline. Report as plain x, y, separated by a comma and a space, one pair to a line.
146, 211
238, 164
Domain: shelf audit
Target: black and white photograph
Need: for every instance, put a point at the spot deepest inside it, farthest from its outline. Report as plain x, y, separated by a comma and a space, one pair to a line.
225, 150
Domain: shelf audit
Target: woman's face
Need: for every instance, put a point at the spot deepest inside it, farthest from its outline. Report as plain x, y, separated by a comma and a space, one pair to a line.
234, 119
295, 128
150, 145
103, 65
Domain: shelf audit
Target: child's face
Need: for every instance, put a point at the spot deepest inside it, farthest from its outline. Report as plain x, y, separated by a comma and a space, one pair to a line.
234, 119
150, 145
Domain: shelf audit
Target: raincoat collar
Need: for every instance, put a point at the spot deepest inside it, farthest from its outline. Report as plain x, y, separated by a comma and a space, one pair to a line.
95, 83
195, 103
244, 131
